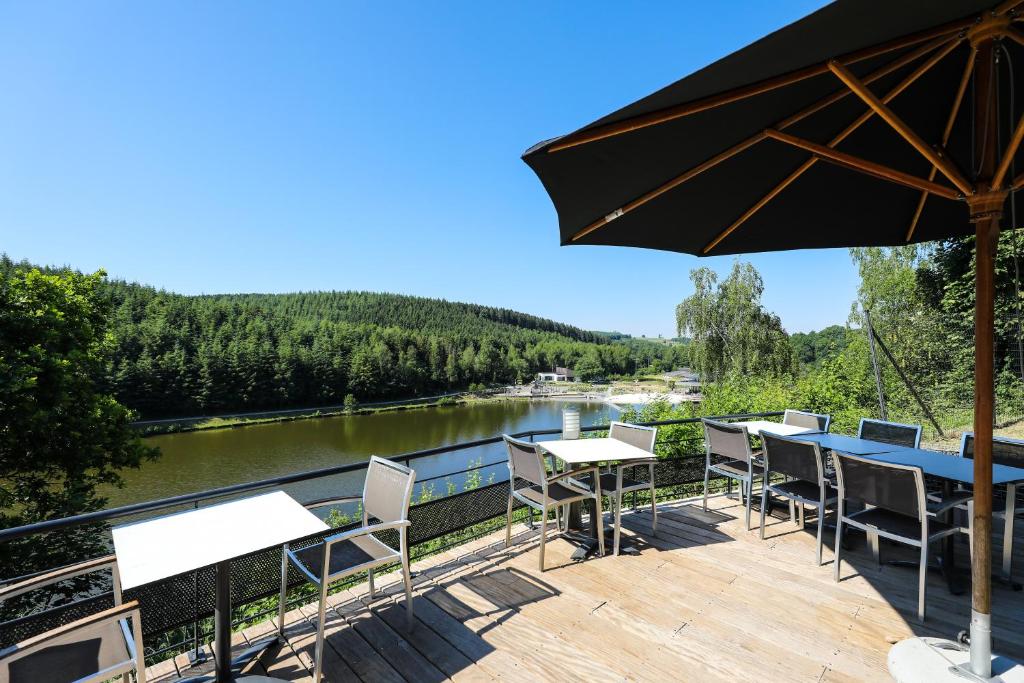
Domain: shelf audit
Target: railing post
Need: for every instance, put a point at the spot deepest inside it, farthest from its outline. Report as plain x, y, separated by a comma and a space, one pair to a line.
195, 657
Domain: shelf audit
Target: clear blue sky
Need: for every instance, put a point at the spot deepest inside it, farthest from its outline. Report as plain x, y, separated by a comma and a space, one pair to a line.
250, 146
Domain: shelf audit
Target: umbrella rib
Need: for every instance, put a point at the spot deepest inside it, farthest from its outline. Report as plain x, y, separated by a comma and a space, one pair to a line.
1011, 150
957, 102
753, 139
905, 131
857, 123
678, 111
864, 166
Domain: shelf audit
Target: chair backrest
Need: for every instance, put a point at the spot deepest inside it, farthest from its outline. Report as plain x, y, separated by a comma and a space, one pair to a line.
74, 650
800, 418
525, 461
899, 488
635, 435
890, 432
726, 440
387, 490
792, 457
1005, 451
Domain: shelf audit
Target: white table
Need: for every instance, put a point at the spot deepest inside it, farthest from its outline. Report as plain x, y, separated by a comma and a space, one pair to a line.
163, 547
585, 451
755, 427
575, 452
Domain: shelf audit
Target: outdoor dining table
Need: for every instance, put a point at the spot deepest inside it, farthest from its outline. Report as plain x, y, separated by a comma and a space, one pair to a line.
577, 452
850, 444
156, 549
951, 470
755, 427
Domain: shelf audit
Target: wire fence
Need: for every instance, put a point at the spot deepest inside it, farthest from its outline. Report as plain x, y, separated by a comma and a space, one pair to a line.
177, 612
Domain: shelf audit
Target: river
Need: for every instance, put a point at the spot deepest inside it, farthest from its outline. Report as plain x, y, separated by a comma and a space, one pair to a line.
201, 460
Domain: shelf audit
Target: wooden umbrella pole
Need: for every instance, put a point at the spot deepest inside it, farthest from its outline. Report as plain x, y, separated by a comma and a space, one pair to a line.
986, 211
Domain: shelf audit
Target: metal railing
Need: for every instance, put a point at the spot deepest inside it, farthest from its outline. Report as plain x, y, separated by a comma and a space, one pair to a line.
187, 600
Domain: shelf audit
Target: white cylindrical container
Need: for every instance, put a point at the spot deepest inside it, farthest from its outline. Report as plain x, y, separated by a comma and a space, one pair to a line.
570, 423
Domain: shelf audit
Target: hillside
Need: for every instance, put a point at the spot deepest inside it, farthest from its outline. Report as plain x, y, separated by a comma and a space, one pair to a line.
174, 355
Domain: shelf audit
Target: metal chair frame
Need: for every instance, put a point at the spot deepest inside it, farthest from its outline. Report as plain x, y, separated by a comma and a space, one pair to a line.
819, 418
565, 479
924, 514
779, 488
1008, 514
121, 613
613, 485
322, 576
868, 420
746, 480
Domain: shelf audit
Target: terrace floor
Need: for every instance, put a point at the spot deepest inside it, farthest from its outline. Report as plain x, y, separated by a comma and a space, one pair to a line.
706, 600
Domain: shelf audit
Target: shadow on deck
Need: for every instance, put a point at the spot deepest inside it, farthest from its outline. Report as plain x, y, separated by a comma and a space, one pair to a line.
704, 600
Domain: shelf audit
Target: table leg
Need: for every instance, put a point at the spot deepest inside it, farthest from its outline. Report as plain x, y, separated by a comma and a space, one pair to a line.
222, 622
948, 547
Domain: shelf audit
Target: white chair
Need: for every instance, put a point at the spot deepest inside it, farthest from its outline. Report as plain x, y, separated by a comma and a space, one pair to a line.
387, 492
95, 648
545, 492
615, 484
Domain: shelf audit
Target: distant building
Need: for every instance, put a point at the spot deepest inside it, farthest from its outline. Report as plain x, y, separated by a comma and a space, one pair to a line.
556, 375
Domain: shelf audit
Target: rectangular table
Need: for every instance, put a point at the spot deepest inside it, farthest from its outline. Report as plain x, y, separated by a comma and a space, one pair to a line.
587, 451
946, 466
850, 444
166, 546
755, 427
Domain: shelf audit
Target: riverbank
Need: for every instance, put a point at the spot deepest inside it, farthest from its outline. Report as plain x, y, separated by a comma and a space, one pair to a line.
646, 386
207, 422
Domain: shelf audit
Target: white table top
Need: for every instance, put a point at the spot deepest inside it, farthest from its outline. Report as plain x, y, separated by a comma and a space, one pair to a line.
755, 427
158, 548
582, 451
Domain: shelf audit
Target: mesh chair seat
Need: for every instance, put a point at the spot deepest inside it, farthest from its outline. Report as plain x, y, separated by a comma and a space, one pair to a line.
556, 492
802, 489
609, 483
345, 555
899, 525
737, 468
75, 655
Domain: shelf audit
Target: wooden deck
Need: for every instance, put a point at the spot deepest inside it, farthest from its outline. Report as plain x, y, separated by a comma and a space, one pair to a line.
706, 601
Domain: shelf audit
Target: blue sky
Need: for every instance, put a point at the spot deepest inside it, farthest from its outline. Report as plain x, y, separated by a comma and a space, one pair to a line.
250, 146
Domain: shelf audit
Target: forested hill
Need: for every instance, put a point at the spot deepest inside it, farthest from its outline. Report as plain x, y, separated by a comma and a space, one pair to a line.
409, 312
174, 355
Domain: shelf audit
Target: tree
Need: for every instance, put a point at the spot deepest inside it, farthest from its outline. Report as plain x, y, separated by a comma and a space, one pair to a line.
589, 367
61, 435
731, 331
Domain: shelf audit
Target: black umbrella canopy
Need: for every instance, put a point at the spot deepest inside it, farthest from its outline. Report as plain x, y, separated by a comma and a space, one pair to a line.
867, 123
690, 168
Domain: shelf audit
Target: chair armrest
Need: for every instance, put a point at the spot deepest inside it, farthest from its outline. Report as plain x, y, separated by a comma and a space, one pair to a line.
573, 473
363, 531
650, 461
330, 501
957, 499
128, 609
56, 575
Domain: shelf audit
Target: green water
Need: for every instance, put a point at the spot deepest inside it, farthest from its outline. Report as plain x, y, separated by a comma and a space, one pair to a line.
197, 461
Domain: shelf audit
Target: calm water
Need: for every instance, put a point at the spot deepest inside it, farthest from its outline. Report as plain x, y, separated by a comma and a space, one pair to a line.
195, 461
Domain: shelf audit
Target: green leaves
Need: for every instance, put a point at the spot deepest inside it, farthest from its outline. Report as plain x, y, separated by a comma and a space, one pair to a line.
731, 331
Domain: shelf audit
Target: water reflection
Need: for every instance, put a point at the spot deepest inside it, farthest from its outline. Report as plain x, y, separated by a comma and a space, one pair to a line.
197, 461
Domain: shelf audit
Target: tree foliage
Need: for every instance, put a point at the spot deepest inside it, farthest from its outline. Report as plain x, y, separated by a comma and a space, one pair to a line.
730, 330
175, 355
61, 433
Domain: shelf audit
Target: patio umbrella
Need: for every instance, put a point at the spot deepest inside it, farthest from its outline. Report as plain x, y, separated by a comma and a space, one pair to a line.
866, 123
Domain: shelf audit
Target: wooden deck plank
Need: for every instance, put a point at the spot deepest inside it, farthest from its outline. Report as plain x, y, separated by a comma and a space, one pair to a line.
705, 600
